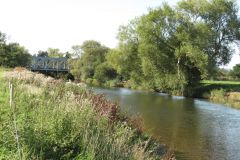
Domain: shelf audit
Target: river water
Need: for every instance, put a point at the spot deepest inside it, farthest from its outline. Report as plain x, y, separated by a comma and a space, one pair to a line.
193, 128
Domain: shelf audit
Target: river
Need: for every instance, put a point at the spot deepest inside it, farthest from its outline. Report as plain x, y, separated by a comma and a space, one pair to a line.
195, 129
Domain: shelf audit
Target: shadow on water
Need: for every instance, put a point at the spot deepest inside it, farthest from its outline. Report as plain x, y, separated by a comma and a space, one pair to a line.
194, 129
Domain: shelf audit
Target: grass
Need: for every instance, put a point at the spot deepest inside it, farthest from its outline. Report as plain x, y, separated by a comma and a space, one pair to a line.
206, 86
225, 85
3, 90
57, 120
224, 92
221, 82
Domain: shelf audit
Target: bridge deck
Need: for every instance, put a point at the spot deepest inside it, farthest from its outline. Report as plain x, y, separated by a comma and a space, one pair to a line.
49, 64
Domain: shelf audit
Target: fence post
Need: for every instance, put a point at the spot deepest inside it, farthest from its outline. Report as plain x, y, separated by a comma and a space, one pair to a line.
11, 94
14, 119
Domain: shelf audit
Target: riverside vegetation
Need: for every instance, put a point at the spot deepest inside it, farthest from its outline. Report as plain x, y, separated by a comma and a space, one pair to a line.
224, 92
169, 49
58, 120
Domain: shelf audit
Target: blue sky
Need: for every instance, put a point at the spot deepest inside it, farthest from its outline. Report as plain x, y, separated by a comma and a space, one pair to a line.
40, 24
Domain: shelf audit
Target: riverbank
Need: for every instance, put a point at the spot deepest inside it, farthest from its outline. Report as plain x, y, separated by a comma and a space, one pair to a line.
223, 92
195, 128
58, 120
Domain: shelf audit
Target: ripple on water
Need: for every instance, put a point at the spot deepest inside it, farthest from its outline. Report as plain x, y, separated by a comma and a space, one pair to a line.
195, 129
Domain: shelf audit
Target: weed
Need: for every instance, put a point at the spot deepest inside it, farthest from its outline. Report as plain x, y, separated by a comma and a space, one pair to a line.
56, 120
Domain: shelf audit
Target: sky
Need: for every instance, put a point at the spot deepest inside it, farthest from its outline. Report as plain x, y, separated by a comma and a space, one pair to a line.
40, 24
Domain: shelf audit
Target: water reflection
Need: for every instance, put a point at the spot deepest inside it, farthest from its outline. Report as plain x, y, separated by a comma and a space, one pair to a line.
195, 129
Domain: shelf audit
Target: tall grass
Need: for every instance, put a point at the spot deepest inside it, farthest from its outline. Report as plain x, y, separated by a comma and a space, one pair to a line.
56, 120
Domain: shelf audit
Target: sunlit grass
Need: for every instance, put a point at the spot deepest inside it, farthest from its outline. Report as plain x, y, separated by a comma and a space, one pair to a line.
65, 121
229, 86
224, 92
220, 82
3, 87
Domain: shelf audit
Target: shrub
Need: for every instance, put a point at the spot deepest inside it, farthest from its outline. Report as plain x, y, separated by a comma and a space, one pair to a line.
218, 96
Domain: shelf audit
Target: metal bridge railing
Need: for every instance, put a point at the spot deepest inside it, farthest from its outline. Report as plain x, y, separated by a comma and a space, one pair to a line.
49, 64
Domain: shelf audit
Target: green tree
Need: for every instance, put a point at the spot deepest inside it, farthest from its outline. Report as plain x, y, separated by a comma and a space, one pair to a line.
104, 72
76, 51
221, 20
13, 55
42, 54
236, 71
2, 38
93, 54
171, 49
67, 55
2, 48
54, 53
125, 59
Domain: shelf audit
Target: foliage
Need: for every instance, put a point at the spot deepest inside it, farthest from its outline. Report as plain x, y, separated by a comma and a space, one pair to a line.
12, 54
169, 49
220, 17
236, 71
2, 38
227, 98
65, 121
91, 66
73, 65
220, 74
93, 54
54, 53
76, 51
125, 59
207, 86
218, 96
172, 48
42, 54
104, 73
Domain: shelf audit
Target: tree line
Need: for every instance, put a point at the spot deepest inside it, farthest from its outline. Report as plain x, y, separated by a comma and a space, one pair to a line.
13, 54
169, 49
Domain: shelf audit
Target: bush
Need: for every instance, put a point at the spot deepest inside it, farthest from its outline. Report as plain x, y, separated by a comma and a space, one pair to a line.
104, 73
218, 96
95, 82
89, 81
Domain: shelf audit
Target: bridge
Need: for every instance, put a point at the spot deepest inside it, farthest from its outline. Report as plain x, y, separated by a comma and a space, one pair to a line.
48, 64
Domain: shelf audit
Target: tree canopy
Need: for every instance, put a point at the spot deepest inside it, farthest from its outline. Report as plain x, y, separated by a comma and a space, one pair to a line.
173, 48
169, 49
236, 71
92, 62
12, 54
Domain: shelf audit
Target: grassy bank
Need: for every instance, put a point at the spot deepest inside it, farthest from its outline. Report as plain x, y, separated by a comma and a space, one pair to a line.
51, 119
224, 92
